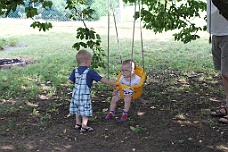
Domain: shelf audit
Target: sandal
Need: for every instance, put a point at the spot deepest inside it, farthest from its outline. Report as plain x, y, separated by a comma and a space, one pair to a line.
219, 113
87, 129
77, 126
224, 119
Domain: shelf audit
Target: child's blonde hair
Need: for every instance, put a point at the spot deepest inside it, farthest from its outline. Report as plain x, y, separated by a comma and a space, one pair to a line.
82, 56
130, 62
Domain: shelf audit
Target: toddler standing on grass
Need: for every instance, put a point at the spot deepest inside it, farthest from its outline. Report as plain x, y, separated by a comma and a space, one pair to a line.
128, 78
82, 78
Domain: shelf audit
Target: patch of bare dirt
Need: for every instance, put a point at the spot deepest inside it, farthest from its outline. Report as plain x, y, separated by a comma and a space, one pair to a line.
165, 119
7, 63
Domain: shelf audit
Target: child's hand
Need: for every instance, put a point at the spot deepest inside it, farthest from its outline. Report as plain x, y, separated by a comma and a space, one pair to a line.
115, 92
113, 84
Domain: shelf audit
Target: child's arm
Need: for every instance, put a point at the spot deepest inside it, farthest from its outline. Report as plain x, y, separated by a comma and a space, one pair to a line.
70, 81
72, 77
107, 82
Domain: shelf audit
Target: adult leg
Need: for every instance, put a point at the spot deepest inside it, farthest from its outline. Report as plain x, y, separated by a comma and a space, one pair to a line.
224, 64
220, 58
223, 111
224, 69
225, 84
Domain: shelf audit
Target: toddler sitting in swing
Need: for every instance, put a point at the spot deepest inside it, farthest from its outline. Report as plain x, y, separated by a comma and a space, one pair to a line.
128, 78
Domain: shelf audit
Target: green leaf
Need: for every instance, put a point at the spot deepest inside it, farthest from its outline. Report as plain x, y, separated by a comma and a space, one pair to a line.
31, 12
41, 26
168, 15
47, 4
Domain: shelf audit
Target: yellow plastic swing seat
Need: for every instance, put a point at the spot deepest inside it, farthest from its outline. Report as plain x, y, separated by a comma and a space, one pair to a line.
137, 88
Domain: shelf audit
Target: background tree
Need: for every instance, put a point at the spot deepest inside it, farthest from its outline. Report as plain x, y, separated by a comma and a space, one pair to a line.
164, 15
158, 15
91, 39
6, 6
98, 5
57, 12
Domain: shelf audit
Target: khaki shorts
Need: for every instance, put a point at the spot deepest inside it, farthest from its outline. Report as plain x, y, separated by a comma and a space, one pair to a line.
220, 53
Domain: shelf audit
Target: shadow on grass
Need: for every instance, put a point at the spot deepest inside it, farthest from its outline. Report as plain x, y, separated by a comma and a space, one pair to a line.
172, 115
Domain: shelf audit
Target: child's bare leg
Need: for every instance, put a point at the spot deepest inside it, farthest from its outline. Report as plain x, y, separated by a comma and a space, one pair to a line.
84, 121
112, 107
114, 100
127, 103
78, 123
85, 128
78, 119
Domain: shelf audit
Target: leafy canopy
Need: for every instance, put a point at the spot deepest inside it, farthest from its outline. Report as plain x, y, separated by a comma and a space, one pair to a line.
164, 15
92, 40
158, 15
11, 5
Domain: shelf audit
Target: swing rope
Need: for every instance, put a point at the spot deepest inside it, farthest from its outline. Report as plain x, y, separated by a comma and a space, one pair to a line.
109, 3
133, 34
141, 35
117, 36
133, 40
139, 70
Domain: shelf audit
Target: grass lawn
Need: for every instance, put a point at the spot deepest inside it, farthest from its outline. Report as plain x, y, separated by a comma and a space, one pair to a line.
53, 56
172, 115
